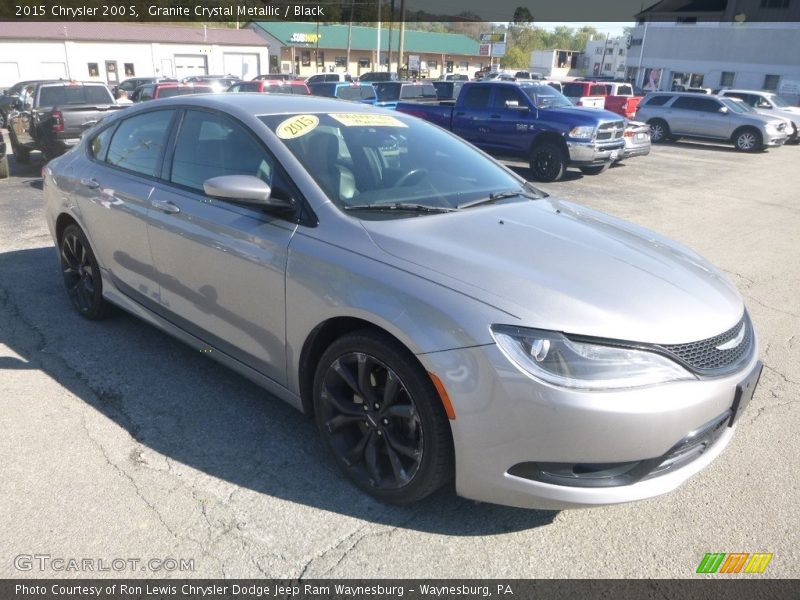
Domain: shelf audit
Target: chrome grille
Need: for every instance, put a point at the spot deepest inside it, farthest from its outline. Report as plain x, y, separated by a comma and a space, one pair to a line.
612, 130
706, 358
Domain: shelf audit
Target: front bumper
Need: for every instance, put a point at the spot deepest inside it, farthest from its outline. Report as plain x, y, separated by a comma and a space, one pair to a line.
593, 153
505, 419
631, 151
772, 140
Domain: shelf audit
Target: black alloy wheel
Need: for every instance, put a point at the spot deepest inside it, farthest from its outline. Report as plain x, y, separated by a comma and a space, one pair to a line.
548, 162
82, 274
380, 416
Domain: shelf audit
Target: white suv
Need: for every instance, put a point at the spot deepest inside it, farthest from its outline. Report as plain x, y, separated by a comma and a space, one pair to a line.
769, 103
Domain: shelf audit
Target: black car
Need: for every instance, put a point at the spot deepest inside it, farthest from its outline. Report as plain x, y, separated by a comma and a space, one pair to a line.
129, 85
3, 158
8, 96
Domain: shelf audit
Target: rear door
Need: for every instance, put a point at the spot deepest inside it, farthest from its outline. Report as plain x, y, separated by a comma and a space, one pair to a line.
471, 116
221, 264
114, 199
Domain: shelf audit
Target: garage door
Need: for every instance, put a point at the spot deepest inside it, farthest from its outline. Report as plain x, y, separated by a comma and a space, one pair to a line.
242, 65
190, 64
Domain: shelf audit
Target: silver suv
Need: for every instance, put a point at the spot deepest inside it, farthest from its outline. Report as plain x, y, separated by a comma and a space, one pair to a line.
678, 114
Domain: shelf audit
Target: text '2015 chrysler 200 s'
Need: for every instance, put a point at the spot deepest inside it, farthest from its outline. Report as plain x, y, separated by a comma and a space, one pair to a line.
440, 318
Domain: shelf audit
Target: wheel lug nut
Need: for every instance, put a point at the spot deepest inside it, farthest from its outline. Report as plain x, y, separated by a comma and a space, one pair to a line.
386, 421
376, 406
366, 407
380, 432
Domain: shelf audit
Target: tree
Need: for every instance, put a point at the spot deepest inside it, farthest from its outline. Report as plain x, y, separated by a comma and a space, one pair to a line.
522, 16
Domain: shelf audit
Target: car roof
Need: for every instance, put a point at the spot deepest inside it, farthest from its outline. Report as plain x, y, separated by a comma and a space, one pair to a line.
739, 91
267, 104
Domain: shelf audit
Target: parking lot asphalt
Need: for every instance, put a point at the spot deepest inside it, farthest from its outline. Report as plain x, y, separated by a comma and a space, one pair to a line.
118, 442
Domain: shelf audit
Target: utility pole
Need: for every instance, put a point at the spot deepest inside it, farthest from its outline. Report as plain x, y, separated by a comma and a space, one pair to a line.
378, 49
391, 29
603, 60
402, 36
349, 36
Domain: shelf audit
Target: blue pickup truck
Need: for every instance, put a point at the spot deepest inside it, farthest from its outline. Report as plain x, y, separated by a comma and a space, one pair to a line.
530, 121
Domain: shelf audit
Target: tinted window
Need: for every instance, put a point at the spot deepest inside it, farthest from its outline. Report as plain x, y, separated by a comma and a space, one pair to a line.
210, 145
706, 105
323, 89
624, 90
477, 97
297, 89
657, 101
367, 92
251, 86
349, 93
78, 94
572, 89
685, 103
597, 90
146, 93
387, 91
138, 142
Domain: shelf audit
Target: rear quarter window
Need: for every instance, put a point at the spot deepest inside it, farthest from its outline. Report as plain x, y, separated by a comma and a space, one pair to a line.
657, 100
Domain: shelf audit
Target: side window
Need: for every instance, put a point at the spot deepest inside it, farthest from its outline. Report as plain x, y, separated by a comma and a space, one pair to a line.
685, 103
210, 145
99, 144
235, 88
597, 90
759, 102
503, 94
707, 105
658, 100
146, 93
477, 97
139, 141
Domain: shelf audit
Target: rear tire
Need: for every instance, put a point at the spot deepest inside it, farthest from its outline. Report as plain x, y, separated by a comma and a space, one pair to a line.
548, 162
381, 417
659, 131
82, 275
21, 155
595, 169
748, 139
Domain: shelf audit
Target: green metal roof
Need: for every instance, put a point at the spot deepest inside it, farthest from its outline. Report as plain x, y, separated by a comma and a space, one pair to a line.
365, 38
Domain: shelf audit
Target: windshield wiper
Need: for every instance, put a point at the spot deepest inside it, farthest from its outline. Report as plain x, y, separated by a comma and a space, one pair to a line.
402, 206
499, 196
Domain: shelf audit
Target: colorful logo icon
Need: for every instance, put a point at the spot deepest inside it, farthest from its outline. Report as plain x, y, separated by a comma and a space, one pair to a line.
741, 562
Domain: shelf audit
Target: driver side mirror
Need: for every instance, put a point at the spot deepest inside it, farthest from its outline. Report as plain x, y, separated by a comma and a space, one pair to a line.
515, 105
246, 189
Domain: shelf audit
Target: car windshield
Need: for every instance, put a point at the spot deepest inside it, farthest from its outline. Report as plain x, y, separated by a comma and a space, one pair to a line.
387, 91
545, 96
736, 106
379, 165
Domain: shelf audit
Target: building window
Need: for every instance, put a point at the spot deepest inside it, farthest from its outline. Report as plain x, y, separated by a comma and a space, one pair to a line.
607, 67
129, 70
364, 62
774, 3
771, 82
94, 70
726, 79
305, 58
432, 64
340, 61
598, 50
622, 51
320, 59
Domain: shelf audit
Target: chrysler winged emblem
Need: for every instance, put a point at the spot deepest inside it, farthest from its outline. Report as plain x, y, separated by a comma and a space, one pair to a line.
730, 344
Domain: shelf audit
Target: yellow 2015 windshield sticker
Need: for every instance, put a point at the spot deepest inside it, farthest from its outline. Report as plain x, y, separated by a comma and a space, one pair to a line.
296, 126
367, 120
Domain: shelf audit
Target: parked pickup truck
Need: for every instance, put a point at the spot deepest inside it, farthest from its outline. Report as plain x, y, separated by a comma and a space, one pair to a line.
529, 121
621, 99
51, 116
390, 92
585, 93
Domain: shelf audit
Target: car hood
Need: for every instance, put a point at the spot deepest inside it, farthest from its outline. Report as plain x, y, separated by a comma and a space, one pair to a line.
582, 114
556, 265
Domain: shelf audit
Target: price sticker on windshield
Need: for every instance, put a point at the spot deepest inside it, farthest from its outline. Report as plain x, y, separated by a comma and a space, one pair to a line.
294, 127
367, 120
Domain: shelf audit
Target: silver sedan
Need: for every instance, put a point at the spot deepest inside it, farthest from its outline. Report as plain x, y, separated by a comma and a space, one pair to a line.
441, 319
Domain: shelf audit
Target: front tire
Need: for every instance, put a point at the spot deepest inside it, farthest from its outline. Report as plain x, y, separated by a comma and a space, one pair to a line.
748, 140
82, 275
548, 162
381, 418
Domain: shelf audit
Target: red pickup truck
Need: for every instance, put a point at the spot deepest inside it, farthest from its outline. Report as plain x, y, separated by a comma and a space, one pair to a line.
620, 98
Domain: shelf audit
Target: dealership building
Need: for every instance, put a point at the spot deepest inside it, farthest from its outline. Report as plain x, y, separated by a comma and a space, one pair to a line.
752, 44
309, 48
112, 52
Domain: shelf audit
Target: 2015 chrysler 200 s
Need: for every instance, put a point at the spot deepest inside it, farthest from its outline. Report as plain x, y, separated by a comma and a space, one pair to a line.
439, 317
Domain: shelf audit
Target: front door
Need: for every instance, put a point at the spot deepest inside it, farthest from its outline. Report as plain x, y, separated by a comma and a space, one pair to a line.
222, 264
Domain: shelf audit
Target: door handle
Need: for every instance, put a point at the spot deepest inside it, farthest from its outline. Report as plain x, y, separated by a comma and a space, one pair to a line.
92, 183
165, 206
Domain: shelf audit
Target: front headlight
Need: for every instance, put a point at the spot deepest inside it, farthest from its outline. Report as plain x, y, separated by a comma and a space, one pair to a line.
552, 357
582, 133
